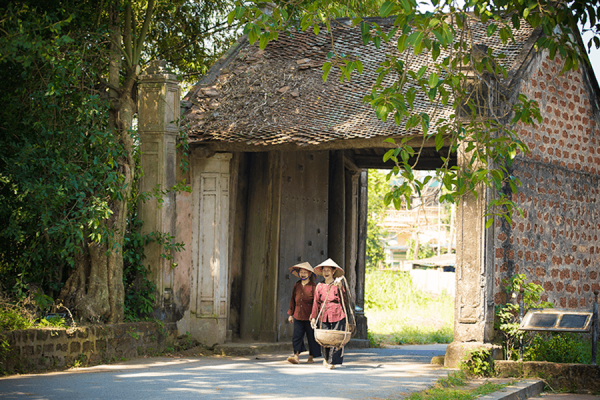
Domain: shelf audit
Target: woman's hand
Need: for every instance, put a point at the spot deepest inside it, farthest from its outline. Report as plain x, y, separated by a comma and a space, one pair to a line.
313, 323
291, 319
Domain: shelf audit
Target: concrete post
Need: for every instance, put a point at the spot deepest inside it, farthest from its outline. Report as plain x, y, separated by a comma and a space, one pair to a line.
158, 111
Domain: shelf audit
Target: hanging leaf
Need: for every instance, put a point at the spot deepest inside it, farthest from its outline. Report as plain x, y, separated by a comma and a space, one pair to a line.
326, 69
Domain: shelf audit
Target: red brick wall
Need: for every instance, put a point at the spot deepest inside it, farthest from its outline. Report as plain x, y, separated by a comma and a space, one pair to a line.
555, 243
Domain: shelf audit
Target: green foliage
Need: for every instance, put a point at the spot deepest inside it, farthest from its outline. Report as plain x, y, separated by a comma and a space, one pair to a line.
389, 290
373, 340
140, 291
454, 75
507, 315
4, 351
453, 388
80, 361
425, 250
63, 168
42, 300
559, 348
478, 363
56, 156
13, 318
133, 333
395, 330
376, 232
54, 322
24, 315
196, 37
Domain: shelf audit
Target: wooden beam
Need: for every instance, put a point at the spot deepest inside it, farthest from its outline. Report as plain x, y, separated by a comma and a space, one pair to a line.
424, 163
339, 144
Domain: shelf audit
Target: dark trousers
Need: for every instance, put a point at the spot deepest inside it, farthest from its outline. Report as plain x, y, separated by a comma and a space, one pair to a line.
331, 354
302, 328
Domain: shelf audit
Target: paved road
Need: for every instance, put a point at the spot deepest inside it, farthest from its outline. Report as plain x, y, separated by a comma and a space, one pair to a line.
366, 374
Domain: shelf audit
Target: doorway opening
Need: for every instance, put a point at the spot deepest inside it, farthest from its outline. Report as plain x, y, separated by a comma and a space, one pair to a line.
410, 280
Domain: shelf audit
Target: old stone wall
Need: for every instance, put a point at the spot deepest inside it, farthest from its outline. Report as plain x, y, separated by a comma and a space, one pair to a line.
572, 378
49, 348
555, 243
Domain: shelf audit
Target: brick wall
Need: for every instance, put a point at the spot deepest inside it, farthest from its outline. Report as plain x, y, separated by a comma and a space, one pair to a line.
555, 243
49, 348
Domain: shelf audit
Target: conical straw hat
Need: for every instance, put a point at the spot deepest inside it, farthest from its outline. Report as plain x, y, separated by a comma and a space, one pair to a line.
338, 271
305, 265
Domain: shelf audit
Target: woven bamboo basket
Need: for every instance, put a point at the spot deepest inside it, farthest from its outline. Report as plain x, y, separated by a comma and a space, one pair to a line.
332, 338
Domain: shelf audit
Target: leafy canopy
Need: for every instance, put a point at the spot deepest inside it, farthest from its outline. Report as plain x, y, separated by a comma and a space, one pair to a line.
459, 74
61, 161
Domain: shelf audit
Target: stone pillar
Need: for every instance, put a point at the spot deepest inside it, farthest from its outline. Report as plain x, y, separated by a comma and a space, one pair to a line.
158, 112
473, 318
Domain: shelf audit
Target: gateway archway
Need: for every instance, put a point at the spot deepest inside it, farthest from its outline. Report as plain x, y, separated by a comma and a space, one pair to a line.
232, 280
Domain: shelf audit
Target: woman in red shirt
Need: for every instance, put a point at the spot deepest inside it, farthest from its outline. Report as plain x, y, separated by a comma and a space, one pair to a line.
299, 312
333, 316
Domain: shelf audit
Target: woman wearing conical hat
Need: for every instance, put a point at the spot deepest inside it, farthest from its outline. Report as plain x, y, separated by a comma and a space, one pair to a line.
333, 316
299, 313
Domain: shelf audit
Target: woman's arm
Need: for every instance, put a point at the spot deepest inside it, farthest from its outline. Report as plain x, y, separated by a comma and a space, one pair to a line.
292, 308
316, 303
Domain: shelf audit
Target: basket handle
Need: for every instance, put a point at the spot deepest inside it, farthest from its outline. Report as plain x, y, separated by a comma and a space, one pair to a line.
347, 290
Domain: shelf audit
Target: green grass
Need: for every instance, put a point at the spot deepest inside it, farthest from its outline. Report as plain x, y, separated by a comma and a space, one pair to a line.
398, 313
453, 388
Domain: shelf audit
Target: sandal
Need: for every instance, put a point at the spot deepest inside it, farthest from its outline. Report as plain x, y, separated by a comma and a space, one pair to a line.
292, 360
310, 360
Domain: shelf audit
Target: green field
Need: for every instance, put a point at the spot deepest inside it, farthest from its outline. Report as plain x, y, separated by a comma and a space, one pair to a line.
398, 313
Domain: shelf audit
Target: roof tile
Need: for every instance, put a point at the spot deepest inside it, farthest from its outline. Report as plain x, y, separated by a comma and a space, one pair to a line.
277, 95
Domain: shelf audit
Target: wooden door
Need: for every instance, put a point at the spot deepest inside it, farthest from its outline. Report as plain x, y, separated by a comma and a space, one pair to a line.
304, 226
209, 300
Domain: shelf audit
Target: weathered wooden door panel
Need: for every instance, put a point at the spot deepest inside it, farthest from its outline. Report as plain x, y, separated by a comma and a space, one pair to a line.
211, 200
303, 231
258, 313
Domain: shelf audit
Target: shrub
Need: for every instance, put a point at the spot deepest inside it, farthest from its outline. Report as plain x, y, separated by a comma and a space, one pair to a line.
507, 315
559, 348
12, 318
478, 363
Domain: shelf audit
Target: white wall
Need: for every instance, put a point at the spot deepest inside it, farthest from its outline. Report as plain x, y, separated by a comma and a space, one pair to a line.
434, 281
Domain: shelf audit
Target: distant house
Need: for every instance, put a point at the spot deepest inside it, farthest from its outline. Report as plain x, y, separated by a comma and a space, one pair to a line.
427, 223
278, 172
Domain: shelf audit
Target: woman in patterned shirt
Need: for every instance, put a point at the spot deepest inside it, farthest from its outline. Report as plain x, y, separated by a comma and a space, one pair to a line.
333, 316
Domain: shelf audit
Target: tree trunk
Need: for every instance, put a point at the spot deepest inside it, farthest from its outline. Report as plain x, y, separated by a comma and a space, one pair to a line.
95, 290
417, 245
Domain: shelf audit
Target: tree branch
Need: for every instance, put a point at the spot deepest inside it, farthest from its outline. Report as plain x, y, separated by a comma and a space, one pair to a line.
143, 32
127, 37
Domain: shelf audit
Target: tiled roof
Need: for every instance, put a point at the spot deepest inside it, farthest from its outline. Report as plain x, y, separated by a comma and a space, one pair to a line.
277, 96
